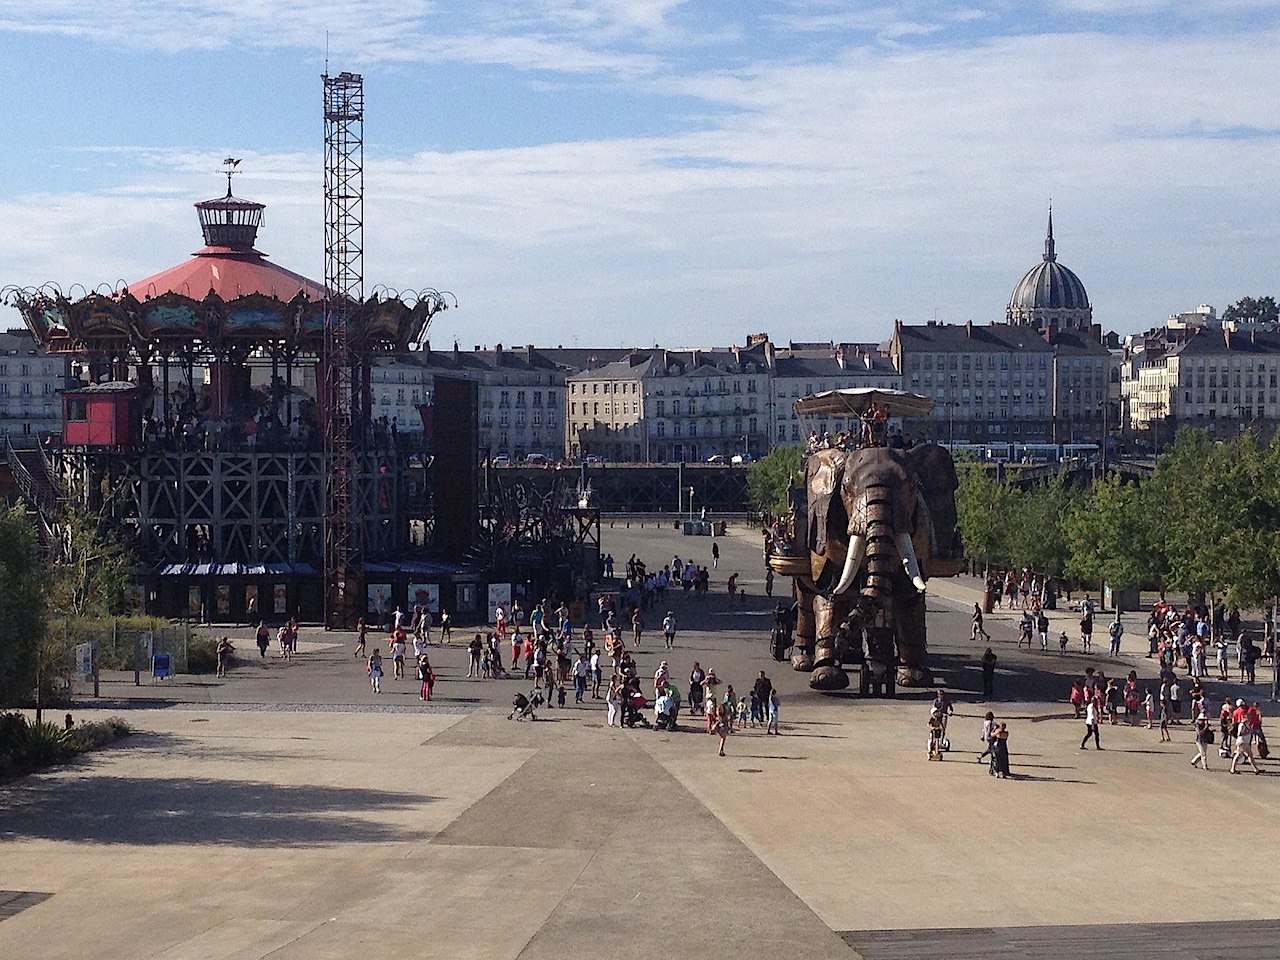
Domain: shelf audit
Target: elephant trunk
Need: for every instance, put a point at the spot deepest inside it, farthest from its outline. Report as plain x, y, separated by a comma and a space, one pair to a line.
881, 549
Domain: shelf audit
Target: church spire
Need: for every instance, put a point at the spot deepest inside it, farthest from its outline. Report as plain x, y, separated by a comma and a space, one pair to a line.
1049, 253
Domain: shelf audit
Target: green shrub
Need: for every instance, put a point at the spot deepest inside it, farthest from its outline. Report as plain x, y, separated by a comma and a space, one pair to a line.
98, 733
44, 745
202, 655
26, 745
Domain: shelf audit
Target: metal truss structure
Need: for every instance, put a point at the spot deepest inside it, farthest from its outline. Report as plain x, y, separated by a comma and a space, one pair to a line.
534, 529
344, 278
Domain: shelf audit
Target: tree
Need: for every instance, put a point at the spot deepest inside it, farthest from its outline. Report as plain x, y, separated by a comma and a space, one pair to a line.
769, 478
1253, 310
96, 569
1036, 537
983, 511
1109, 535
22, 608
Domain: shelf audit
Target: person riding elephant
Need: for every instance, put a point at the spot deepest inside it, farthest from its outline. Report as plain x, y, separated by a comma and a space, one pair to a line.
879, 522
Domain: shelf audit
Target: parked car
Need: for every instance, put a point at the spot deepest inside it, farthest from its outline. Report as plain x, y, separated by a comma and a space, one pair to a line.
501, 460
717, 458
740, 458
537, 460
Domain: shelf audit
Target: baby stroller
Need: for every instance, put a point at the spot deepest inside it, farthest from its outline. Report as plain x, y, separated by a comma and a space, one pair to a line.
522, 706
633, 707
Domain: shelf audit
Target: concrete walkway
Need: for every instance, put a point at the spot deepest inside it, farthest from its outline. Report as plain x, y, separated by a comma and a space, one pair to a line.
288, 812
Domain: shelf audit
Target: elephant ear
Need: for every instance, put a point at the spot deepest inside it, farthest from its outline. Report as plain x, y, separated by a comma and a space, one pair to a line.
935, 474
824, 471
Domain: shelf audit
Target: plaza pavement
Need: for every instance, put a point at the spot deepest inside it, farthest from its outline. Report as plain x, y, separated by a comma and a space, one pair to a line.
288, 812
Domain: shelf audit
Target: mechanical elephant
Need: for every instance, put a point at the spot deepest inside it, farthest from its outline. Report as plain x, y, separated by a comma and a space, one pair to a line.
878, 523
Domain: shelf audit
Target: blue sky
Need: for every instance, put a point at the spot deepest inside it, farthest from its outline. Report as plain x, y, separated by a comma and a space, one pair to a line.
613, 172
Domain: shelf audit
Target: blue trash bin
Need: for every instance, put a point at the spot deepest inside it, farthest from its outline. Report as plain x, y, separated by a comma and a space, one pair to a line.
161, 666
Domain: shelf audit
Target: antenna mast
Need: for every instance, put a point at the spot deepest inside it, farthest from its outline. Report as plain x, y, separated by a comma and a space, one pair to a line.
344, 279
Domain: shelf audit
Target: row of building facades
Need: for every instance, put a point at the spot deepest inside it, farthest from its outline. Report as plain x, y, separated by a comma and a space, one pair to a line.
1046, 374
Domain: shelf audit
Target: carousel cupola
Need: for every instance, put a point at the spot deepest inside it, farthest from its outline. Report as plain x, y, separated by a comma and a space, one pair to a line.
229, 222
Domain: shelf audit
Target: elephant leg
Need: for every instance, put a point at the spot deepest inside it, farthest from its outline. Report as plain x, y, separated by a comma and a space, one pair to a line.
802, 650
913, 654
828, 646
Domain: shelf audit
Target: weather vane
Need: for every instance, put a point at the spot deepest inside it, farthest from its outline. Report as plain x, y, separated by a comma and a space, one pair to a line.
229, 168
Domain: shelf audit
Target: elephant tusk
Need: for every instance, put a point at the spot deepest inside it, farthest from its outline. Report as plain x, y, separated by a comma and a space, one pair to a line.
909, 561
852, 561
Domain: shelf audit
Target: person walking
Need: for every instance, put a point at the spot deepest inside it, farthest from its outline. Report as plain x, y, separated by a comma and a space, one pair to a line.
637, 627
978, 630
1086, 625
426, 677
264, 639
374, 669
989, 728
223, 654
1042, 628
762, 689
362, 633
715, 556
597, 674
1203, 735
613, 699
474, 649
1000, 765
397, 654
581, 670
669, 629
1244, 738
989, 675
723, 723
772, 726
1115, 632
1091, 724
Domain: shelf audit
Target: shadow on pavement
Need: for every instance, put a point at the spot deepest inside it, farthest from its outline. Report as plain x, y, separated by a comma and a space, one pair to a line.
77, 806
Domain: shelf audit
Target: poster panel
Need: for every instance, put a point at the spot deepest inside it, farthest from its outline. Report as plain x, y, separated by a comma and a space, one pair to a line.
425, 595
379, 601
499, 593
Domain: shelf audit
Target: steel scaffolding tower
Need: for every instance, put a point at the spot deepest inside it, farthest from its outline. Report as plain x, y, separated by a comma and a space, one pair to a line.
344, 278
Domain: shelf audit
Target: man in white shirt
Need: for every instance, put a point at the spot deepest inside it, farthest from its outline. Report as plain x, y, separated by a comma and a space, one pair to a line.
596, 675
669, 629
580, 671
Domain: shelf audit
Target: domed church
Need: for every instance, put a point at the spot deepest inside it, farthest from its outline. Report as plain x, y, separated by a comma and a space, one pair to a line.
1050, 295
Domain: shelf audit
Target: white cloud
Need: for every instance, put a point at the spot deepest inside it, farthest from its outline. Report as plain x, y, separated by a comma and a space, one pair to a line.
826, 195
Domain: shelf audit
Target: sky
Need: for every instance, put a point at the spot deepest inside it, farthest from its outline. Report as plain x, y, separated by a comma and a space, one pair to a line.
632, 172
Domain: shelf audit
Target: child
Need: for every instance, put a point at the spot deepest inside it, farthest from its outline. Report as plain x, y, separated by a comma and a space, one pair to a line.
374, 669
1062, 644
560, 696
1077, 698
425, 677
773, 715
1164, 722
1149, 706
755, 709
723, 724
743, 712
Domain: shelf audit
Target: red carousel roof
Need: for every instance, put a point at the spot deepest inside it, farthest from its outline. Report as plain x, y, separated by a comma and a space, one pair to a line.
228, 265
230, 273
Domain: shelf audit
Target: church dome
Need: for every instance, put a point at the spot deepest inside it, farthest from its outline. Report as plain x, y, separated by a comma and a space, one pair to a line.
1050, 293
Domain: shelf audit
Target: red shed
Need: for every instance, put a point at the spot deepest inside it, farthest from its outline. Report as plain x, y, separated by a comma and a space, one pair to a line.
102, 415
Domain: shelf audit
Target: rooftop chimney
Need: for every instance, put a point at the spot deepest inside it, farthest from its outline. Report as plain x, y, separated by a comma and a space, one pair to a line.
968, 328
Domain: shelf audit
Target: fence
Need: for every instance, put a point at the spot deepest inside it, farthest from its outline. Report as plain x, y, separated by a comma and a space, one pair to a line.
121, 643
